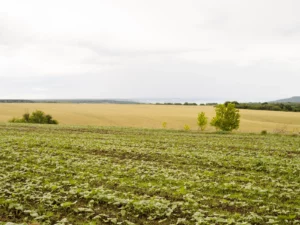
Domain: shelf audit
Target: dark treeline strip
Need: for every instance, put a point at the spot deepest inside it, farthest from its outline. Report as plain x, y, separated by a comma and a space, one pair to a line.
16, 101
271, 106
86, 101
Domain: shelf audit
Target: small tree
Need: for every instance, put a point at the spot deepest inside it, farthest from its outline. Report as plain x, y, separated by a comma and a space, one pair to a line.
164, 124
202, 121
227, 117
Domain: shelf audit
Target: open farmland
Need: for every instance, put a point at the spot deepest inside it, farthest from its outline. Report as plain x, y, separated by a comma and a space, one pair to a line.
151, 116
90, 175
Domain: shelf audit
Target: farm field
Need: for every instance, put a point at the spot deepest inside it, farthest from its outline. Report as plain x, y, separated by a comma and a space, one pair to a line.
150, 116
102, 175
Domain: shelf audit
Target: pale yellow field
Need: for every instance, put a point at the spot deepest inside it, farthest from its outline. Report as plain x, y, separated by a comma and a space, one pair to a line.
150, 116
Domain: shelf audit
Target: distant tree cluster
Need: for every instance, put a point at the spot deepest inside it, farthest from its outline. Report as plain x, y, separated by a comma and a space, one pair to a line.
187, 103
36, 117
168, 103
85, 101
272, 106
16, 101
212, 103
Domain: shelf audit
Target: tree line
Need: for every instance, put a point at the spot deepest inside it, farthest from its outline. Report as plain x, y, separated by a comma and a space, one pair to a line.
272, 106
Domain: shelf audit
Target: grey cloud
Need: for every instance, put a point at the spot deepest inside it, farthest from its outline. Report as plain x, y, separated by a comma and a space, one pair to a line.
105, 51
169, 79
290, 30
97, 61
172, 49
215, 23
14, 34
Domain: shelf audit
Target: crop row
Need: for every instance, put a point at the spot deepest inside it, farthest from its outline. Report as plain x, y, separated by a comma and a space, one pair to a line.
88, 175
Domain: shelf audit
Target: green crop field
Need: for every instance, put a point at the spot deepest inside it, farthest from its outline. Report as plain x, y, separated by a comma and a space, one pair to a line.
89, 175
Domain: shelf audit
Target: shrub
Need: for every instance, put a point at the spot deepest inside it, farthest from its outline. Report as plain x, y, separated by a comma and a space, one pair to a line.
263, 132
16, 120
164, 124
202, 121
36, 117
26, 117
227, 117
186, 127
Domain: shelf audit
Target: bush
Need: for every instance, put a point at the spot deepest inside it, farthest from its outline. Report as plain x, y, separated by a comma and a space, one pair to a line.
227, 117
263, 132
202, 121
36, 117
16, 120
164, 124
186, 127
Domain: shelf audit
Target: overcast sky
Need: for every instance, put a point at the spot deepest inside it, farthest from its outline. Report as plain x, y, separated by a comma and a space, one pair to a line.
247, 50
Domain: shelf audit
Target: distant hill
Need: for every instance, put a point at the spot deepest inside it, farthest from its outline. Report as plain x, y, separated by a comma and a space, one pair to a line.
295, 99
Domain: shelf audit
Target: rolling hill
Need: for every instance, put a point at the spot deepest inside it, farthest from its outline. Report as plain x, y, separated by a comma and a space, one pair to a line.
295, 99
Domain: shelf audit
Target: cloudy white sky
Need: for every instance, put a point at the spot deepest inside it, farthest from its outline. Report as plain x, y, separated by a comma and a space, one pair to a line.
245, 50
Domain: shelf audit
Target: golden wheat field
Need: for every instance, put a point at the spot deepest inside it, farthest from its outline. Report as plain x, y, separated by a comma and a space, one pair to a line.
150, 116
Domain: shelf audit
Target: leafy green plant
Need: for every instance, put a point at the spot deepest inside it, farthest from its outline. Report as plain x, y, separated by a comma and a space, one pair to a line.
202, 121
227, 117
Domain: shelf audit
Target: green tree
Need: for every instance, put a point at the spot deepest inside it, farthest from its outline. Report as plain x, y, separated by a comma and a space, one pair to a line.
227, 117
202, 121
